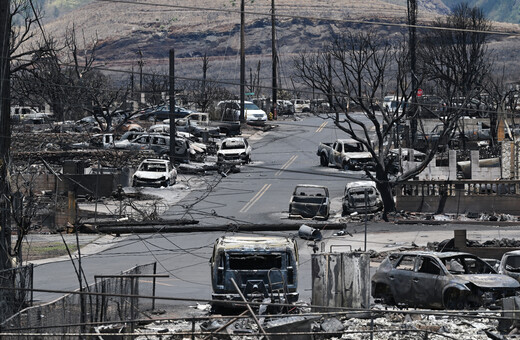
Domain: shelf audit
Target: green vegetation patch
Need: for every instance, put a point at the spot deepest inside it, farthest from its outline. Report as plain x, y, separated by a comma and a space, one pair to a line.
43, 250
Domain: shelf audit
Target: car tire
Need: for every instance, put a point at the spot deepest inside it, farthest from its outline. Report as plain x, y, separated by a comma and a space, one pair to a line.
346, 166
324, 160
386, 295
454, 299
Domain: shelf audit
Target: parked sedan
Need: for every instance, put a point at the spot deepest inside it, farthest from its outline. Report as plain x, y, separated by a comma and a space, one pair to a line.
155, 172
440, 280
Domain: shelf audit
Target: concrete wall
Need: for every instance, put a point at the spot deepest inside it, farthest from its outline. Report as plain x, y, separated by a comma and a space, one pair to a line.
341, 279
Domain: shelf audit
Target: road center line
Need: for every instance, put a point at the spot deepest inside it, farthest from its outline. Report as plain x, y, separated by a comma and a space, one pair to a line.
255, 198
286, 165
322, 126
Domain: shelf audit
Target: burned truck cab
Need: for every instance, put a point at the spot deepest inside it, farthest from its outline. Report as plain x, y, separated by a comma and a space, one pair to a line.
262, 267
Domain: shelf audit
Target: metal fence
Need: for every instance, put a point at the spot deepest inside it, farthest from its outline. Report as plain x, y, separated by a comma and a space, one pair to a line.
14, 300
71, 313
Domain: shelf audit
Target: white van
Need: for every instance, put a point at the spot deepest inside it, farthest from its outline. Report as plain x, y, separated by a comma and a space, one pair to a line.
230, 110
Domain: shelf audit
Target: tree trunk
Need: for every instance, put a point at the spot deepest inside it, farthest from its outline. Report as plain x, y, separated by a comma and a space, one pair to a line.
385, 189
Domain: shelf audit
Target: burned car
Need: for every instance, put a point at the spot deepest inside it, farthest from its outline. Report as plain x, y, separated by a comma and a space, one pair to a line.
155, 172
361, 197
234, 150
310, 201
510, 264
450, 280
262, 267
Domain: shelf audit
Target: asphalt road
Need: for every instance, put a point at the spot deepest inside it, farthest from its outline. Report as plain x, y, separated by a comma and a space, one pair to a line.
282, 158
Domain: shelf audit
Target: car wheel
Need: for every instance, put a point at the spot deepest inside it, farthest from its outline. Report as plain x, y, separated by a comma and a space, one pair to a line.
455, 299
323, 160
167, 183
385, 294
346, 166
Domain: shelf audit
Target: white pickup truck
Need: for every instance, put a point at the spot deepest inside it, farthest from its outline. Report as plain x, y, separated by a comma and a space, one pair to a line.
347, 154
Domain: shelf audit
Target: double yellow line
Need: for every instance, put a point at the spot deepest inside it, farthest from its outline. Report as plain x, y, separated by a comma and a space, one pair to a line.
255, 198
286, 165
267, 186
322, 126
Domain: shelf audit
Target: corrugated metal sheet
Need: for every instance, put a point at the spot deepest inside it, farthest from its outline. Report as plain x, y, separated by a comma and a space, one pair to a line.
341, 279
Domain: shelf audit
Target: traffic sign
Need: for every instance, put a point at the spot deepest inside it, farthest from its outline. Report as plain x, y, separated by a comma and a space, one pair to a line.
419, 92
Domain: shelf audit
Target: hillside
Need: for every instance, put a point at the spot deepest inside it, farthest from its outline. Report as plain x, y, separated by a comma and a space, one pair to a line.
200, 27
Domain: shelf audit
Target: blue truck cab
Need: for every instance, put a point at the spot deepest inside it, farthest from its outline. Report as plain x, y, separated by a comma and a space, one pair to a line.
262, 267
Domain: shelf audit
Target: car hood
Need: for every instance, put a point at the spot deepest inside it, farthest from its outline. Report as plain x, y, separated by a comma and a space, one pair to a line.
150, 175
490, 280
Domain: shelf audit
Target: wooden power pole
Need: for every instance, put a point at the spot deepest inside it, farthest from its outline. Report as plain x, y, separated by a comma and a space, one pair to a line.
274, 58
412, 22
171, 92
5, 134
242, 60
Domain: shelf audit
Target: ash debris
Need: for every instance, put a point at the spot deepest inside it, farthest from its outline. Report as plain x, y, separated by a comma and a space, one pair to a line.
386, 324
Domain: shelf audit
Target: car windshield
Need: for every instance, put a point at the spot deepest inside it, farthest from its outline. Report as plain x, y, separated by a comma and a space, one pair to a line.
466, 264
513, 263
251, 106
233, 145
152, 167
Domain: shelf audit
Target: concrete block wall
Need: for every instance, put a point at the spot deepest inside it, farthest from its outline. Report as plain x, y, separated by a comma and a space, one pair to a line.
434, 172
506, 153
485, 173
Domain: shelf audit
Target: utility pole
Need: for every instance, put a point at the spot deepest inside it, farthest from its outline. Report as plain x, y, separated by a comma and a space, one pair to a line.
412, 22
171, 90
5, 134
205, 63
140, 63
274, 57
242, 60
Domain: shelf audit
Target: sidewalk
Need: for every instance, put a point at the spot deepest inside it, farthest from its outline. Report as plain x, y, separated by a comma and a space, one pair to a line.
89, 245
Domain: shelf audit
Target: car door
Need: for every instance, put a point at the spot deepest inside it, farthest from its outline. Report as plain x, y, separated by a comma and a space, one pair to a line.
427, 282
142, 142
401, 278
338, 150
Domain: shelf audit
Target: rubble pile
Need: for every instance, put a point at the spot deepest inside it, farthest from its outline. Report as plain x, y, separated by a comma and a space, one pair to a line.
25, 142
388, 325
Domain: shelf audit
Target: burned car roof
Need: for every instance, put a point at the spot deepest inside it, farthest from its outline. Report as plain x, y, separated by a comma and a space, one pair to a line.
254, 242
433, 253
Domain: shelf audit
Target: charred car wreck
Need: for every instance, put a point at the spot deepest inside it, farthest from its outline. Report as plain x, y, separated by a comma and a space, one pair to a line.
310, 201
262, 267
440, 280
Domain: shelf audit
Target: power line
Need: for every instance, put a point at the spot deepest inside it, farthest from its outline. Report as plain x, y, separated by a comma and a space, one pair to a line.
288, 16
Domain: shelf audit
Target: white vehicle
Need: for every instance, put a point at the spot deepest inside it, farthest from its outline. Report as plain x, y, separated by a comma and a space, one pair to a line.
20, 113
302, 105
234, 150
361, 197
155, 172
392, 103
230, 110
